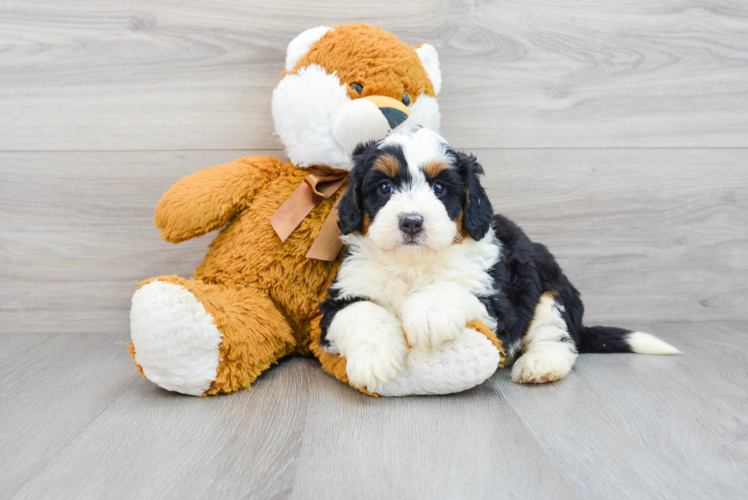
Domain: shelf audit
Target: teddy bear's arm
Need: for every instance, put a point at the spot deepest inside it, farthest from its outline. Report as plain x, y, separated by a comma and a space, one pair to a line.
207, 199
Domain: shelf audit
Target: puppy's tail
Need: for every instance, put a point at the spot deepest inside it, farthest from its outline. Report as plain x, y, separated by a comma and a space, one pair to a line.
611, 339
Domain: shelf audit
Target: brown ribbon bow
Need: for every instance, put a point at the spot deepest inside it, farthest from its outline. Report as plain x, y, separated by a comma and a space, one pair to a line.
311, 192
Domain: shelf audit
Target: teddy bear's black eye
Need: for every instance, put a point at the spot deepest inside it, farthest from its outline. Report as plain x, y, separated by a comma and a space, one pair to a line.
407, 100
438, 188
357, 87
385, 188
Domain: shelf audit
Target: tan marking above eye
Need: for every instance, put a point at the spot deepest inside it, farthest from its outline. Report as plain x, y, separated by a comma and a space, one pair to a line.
432, 168
389, 165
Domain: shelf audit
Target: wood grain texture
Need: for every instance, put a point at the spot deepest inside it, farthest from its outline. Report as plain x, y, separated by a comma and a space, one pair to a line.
134, 75
672, 425
646, 235
615, 132
423, 447
79, 422
49, 395
156, 444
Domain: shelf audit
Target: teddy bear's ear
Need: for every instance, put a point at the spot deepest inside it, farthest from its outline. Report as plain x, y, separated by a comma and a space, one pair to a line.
300, 45
430, 61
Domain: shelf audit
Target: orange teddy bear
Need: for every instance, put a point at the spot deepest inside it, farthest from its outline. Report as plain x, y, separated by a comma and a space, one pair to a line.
254, 299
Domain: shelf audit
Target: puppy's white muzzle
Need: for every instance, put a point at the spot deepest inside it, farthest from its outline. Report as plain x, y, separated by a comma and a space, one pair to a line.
433, 231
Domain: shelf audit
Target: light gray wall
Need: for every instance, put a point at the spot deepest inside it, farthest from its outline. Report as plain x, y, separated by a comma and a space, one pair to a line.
615, 132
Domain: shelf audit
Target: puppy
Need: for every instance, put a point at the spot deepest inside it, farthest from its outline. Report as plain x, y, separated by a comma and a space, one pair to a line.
426, 255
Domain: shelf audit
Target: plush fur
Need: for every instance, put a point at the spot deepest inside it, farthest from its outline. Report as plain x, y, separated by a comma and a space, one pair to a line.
260, 293
317, 107
255, 299
426, 255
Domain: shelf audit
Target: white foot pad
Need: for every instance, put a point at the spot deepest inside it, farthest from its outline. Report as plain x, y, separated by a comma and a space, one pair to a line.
176, 342
455, 366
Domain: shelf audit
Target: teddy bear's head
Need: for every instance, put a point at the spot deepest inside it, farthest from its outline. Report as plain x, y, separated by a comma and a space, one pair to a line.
348, 85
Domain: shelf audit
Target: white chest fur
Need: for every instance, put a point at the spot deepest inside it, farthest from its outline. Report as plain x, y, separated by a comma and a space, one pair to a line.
390, 278
428, 297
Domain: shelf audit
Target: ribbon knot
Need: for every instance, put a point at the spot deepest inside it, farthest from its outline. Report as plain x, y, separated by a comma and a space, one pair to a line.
309, 194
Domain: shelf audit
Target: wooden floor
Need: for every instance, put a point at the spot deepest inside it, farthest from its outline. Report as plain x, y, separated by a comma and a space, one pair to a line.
79, 422
614, 131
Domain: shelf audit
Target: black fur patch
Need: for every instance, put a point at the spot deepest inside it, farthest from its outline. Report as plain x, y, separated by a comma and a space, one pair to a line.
525, 271
463, 195
363, 196
604, 339
329, 308
477, 207
454, 194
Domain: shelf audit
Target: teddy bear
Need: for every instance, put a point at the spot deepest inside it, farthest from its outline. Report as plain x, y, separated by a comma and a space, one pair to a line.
255, 297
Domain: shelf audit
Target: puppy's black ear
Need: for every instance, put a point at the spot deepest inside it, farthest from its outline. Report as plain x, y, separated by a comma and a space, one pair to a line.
351, 206
362, 148
350, 214
477, 211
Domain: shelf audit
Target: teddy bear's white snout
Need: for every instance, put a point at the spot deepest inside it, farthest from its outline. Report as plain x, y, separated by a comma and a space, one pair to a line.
361, 121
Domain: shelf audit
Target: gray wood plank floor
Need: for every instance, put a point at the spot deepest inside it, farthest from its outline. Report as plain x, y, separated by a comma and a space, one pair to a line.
79, 422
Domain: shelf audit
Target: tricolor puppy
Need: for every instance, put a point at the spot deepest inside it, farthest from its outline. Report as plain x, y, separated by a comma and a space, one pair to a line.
426, 255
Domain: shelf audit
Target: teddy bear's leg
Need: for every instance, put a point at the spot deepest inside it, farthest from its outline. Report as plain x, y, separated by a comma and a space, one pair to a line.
203, 339
455, 366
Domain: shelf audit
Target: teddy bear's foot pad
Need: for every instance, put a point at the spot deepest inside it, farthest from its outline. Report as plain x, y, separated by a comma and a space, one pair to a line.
455, 366
176, 342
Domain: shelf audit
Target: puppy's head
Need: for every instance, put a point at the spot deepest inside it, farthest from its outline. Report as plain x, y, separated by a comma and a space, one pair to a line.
413, 192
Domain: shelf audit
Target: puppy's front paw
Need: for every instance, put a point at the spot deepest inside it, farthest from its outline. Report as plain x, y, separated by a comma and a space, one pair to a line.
433, 324
370, 366
551, 363
371, 340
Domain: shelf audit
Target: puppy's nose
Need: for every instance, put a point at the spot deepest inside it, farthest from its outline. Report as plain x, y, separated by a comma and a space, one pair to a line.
411, 224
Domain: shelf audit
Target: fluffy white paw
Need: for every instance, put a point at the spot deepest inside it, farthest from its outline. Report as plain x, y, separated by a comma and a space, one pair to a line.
543, 364
372, 341
439, 314
370, 367
433, 325
176, 342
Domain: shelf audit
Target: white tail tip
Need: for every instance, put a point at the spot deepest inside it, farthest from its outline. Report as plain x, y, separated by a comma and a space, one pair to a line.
644, 343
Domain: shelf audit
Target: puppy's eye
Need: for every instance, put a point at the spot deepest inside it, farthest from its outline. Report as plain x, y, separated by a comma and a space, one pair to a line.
357, 87
407, 100
385, 188
438, 188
